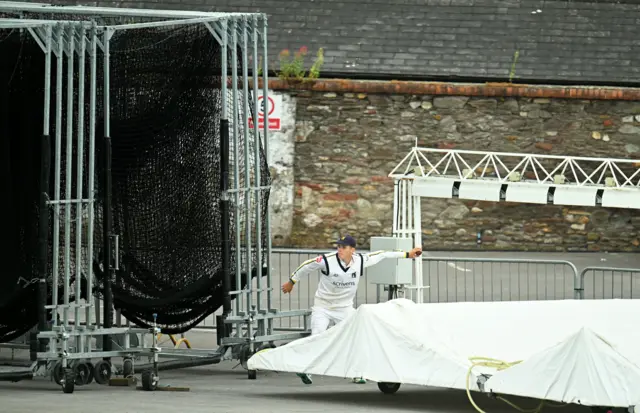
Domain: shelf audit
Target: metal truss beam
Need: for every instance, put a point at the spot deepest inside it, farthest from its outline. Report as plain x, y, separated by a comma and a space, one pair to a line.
517, 177
60, 31
15, 6
214, 21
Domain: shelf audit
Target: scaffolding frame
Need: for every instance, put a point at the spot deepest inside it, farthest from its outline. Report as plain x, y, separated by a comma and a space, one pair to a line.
504, 177
242, 329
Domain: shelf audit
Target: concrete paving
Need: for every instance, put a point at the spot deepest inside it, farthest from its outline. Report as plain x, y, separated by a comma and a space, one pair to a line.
221, 388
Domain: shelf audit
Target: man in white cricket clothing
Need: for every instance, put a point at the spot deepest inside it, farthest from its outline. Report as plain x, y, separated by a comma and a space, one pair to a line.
338, 286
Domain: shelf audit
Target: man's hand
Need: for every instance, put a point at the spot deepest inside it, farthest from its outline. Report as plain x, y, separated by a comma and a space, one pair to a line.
287, 287
415, 252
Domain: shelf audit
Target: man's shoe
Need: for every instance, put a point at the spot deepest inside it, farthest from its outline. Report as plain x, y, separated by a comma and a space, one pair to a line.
359, 380
306, 378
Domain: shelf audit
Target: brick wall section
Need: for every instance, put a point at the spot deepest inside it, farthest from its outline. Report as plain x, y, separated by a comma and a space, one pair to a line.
458, 89
348, 142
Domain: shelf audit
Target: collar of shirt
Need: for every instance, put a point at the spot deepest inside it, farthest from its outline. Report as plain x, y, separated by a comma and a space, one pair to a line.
344, 264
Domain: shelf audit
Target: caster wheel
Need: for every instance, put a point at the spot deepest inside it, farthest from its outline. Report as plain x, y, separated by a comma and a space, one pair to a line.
102, 372
91, 374
127, 368
83, 373
149, 380
57, 374
388, 388
252, 374
68, 381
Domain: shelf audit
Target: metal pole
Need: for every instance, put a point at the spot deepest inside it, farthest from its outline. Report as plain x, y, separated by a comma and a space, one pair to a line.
247, 172
236, 165
410, 228
224, 179
257, 145
67, 176
91, 162
108, 267
404, 207
265, 90
80, 175
56, 177
417, 226
45, 171
394, 230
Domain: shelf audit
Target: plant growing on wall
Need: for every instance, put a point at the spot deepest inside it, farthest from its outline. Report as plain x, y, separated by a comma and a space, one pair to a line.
512, 72
293, 67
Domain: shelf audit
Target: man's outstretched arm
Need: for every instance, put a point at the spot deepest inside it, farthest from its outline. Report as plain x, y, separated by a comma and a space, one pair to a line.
374, 257
305, 268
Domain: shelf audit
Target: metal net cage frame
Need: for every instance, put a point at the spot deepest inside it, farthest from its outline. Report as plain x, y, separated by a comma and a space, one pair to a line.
58, 38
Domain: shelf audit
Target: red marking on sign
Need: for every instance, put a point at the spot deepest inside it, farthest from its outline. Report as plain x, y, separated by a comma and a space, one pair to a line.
273, 123
272, 106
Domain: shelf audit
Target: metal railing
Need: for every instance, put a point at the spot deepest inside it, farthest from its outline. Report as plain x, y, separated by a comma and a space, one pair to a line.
455, 279
608, 283
494, 279
450, 279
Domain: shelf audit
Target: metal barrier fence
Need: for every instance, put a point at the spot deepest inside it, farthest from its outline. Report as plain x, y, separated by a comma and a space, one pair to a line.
450, 279
608, 283
493, 279
460, 279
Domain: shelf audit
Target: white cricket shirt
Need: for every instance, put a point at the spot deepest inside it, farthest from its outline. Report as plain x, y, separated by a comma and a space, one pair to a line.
338, 282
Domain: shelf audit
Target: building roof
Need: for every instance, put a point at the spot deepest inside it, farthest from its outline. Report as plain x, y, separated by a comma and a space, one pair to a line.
586, 42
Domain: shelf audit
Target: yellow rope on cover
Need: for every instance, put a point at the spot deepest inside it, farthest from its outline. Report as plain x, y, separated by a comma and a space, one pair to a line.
501, 365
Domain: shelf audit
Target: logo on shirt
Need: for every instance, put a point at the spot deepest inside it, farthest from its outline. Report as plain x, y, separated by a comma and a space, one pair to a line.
319, 259
342, 284
353, 275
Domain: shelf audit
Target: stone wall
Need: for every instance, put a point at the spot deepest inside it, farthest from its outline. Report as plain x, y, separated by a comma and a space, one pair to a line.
347, 143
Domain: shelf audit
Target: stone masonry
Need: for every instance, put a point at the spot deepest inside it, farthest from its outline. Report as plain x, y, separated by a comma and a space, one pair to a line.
347, 143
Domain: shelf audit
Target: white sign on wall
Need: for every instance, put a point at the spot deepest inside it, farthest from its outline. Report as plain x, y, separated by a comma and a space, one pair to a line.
273, 109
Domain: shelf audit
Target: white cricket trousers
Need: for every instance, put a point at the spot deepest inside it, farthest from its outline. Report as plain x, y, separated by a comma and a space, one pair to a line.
322, 318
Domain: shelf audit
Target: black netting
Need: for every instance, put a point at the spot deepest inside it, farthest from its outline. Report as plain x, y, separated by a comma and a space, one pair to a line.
21, 119
166, 102
166, 180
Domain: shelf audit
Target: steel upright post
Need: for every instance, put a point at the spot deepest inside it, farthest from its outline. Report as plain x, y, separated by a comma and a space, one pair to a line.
45, 172
224, 180
107, 216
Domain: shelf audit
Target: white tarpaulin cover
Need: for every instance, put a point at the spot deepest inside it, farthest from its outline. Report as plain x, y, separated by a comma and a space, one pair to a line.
573, 351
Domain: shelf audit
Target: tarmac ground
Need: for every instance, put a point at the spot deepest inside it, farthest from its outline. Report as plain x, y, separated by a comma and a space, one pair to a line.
225, 388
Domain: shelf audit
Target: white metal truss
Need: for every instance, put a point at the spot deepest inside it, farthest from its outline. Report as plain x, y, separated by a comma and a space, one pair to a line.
526, 178
504, 176
407, 223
